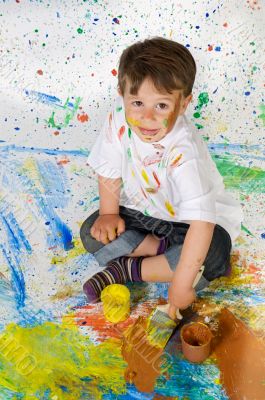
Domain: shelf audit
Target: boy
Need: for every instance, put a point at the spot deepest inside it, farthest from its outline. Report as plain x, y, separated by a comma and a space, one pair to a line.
163, 209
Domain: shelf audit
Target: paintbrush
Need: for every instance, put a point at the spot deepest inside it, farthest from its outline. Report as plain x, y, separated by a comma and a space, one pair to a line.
160, 326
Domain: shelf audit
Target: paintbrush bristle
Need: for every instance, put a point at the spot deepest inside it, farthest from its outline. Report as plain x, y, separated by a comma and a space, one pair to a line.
159, 328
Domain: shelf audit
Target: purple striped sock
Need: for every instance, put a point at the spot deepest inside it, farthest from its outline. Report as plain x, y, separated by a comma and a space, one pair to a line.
163, 245
120, 270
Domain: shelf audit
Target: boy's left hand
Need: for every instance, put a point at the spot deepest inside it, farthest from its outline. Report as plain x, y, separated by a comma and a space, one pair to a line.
179, 298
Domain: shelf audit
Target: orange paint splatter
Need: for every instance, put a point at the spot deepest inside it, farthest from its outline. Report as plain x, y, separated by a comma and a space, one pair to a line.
40, 72
114, 72
175, 162
82, 117
121, 132
56, 133
210, 47
63, 161
225, 24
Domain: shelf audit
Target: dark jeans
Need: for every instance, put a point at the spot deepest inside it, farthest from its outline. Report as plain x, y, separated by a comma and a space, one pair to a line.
138, 225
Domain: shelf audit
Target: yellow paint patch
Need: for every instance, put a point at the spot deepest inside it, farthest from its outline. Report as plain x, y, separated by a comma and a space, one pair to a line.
133, 122
76, 251
145, 176
30, 169
170, 208
59, 360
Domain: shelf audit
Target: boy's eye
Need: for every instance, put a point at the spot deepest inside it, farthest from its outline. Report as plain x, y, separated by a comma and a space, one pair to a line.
137, 103
162, 106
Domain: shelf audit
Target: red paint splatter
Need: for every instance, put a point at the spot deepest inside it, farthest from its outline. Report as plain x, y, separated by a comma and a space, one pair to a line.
210, 47
82, 117
40, 72
143, 193
225, 24
121, 132
92, 315
156, 178
114, 72
17, 1
56, 133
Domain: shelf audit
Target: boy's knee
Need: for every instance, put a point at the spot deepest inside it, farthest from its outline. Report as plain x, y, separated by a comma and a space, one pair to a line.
90, 244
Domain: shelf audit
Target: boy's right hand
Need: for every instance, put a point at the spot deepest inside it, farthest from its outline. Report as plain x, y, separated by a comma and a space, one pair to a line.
107, 227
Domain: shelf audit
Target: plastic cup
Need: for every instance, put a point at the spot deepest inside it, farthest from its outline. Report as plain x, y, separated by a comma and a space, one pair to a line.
116, 302
196, 341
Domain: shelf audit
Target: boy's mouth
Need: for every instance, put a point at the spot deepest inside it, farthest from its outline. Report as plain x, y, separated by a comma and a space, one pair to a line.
150, 132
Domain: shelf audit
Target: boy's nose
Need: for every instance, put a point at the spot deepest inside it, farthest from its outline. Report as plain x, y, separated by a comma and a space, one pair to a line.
148, 114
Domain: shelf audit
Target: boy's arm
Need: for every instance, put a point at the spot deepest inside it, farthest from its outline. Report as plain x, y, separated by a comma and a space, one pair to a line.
193, 254
109, 195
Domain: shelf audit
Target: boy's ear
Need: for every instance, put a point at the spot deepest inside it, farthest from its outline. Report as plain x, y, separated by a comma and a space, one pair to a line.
185, 103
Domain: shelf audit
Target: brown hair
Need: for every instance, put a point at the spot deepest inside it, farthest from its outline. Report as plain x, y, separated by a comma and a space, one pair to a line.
169, 64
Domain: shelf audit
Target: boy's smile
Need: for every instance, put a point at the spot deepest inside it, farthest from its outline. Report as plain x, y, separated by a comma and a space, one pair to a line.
152, 114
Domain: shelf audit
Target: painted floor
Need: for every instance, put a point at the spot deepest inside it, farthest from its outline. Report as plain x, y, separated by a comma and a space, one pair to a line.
55, 346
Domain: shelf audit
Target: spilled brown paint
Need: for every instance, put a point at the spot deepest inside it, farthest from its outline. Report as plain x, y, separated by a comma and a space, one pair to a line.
144, 360
241, 358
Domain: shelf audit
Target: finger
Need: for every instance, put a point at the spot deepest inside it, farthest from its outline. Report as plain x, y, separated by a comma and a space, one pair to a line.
103, 238
93, 232
172, 312
111, 234
120, 227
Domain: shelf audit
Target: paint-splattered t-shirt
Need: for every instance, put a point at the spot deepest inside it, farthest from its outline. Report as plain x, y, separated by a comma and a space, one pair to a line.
174, 179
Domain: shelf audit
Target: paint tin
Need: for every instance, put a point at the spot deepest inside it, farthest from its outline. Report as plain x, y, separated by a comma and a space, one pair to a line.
116, 302
196, 341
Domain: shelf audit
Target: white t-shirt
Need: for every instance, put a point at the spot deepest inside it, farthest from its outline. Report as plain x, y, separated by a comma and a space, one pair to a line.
174, 179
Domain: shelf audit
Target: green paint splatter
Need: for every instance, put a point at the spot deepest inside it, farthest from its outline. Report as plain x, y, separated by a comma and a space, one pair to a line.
146, 212
248, 180
129, 154
59, 360
203, 99
262, 115
243, 228
68, 117
199, 126
165, 123
118, 109
80, 30
129, 133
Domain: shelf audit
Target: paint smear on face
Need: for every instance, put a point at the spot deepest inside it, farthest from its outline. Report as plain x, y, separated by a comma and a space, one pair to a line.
241, 359
58, 360
133, 122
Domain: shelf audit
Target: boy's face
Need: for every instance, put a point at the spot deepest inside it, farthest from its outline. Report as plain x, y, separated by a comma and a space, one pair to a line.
152, 114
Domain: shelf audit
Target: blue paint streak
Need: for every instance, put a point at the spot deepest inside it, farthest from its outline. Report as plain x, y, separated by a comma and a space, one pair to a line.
18, 282
194, 381
39, 150
47, 99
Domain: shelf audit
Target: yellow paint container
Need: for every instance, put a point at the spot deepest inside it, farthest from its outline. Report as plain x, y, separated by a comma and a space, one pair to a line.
116, 302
